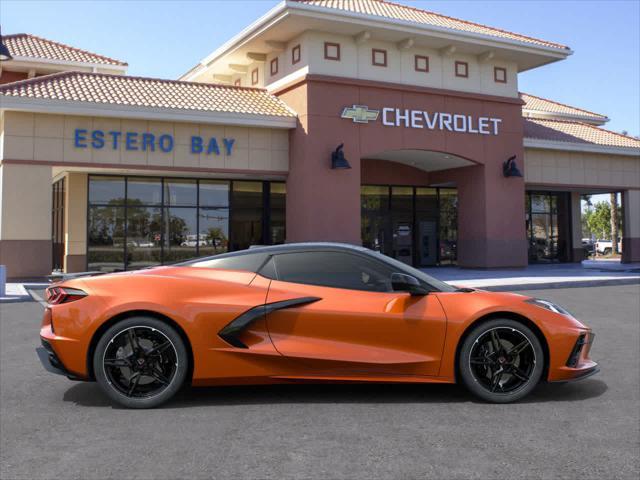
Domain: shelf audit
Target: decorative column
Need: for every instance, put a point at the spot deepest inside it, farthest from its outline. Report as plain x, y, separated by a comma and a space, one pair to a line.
631, 239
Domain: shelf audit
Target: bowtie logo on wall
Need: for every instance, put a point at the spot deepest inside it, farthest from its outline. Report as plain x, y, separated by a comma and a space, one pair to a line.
360, 114
510, 169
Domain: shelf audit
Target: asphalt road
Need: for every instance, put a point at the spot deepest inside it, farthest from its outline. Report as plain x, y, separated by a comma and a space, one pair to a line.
53, 428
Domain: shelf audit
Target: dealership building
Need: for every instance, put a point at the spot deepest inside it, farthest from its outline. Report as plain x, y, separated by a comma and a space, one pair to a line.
365, 122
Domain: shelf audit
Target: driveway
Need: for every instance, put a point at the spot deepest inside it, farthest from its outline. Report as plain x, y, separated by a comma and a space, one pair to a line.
54, 428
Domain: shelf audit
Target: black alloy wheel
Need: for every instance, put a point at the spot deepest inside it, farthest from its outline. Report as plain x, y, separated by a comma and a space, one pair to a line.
501, 361
140, 362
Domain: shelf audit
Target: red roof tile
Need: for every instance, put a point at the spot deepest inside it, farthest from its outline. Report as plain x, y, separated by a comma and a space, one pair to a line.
102, 88
395, 11
544, 105
31, 46
575, 132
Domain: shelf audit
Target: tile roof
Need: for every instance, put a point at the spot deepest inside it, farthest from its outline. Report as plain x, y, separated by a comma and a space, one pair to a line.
545, 105
108, 89
575, 132
395, 11
31, 46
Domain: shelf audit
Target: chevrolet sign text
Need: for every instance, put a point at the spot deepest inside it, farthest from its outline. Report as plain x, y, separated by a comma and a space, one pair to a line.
396, 117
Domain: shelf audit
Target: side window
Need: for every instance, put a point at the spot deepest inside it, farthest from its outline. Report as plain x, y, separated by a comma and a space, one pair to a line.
334, 269
248, 262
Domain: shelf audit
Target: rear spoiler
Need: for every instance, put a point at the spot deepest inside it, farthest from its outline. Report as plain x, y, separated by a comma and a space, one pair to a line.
61, 277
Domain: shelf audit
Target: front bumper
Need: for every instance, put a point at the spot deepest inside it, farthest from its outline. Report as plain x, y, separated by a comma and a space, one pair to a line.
577, 365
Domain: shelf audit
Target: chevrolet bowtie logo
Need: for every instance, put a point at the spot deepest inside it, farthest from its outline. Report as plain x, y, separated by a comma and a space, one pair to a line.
360, 114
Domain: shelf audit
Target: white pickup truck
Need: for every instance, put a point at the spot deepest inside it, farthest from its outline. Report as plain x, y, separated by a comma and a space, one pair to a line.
605, 247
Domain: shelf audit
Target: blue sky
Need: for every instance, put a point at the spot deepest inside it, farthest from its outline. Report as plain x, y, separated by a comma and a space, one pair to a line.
166, 38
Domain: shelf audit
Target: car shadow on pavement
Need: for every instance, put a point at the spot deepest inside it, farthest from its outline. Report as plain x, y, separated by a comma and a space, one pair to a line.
90, 395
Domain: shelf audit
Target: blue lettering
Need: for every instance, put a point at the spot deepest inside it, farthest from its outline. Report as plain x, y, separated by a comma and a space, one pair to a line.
97, 137
228, 144
148, 140
115, 136
80, 138
213, 146
165, 142
132, 141
196, 144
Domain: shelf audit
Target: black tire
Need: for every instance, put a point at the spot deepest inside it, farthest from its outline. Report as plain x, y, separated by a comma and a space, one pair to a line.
501, 375
607, 251
140, 362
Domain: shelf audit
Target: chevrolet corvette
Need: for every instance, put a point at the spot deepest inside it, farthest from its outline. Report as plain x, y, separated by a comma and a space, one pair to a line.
320, 312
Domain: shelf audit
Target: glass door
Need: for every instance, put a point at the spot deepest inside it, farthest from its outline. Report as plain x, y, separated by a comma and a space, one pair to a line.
57, 225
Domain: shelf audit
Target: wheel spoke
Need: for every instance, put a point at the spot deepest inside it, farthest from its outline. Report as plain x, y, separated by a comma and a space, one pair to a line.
117, 362
519, 348
480, 361
520, 375
495, 381
495, 340
159, 349
159, 377
134, 384
133, 339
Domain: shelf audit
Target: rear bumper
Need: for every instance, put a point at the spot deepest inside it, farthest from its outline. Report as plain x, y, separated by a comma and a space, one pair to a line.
51, 362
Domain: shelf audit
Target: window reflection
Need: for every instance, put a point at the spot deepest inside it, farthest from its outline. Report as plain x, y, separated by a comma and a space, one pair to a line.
180, 234
214, 231
144, 191
144, 235
137, 222
106, 239
180, 193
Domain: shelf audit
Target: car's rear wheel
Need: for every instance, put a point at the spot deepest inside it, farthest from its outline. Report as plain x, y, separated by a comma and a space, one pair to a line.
501, 361
140, 362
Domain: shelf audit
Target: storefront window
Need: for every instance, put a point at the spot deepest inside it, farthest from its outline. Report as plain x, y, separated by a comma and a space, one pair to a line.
181, 193
106, 238
246, 216
416, 225
144, 191
106, 190
137, 222
448, 231
277, 202
547, 218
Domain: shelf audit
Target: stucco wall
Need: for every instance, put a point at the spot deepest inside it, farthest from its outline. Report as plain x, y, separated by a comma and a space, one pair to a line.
554, 167
356, 62
50, 138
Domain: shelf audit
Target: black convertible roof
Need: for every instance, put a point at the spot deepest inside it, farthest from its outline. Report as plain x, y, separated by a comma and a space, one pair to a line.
283, 248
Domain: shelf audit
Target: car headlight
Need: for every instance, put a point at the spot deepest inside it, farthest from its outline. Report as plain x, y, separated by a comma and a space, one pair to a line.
546, 304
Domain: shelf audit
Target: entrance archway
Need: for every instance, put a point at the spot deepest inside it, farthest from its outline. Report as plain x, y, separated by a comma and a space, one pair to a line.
405, 213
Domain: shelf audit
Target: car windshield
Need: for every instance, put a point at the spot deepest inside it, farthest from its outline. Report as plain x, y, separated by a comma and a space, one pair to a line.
404, 268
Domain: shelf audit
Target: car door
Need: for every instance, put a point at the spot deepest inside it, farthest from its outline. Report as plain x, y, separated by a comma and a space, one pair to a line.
349, 320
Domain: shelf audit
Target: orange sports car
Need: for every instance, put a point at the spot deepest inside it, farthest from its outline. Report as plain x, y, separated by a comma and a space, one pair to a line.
303, 312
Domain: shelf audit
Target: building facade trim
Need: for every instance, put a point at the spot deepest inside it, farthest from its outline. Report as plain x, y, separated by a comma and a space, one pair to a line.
69, 107
580, 147
393, 86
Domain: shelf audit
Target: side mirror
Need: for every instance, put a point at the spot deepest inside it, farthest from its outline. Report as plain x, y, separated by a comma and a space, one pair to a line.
401, 282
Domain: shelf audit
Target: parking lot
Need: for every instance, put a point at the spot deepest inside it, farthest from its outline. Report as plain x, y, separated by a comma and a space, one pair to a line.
54, 428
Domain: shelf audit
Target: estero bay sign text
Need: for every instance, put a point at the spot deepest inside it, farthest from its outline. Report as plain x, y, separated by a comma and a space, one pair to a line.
136, 141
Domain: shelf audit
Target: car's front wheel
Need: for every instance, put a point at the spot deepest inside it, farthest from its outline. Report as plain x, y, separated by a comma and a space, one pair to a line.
501, 361
140, 362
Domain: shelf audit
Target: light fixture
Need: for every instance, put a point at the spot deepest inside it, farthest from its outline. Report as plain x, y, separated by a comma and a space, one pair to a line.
510, 169
338, 162
4, 51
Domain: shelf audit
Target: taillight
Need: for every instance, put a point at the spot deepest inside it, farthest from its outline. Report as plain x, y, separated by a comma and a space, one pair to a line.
57, 295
